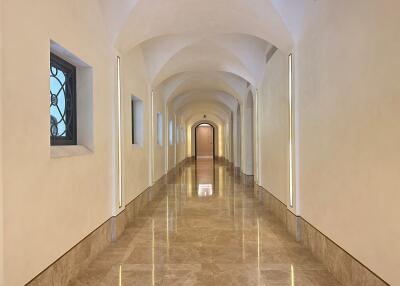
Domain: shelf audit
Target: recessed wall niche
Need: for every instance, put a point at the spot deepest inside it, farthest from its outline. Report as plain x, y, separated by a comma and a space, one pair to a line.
159, 129
171, 132
137, 120
84, 105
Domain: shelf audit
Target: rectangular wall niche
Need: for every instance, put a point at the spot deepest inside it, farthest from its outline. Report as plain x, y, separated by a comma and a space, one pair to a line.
159, 129
137, 120
183, 134
171, 132
83, 98
177, 139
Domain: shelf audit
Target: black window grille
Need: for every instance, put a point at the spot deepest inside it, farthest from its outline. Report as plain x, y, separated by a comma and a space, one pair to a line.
62, 102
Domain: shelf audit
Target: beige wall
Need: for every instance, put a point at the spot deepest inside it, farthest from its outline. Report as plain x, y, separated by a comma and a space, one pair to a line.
237, 136
50, 204
248, 134
348, 99
136, 158
181, 147
171, 147
159, 150
274, 128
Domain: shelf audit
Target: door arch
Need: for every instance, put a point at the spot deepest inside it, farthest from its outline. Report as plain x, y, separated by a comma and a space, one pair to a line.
204, 141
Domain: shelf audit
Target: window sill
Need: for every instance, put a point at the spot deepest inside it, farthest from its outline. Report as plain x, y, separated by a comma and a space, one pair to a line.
68, 151
137, 146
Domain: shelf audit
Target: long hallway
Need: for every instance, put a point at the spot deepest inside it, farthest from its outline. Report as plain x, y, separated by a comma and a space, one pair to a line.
291, 108
205, 227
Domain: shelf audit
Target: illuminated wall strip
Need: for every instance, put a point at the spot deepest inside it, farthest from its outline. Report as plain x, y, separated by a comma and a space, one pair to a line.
153, 272
292, 274
258, 245
152, 138
119, 133
290, 134
120, 275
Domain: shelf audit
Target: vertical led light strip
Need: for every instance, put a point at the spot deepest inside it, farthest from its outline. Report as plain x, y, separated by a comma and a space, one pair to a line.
292, 274
119, 132
290, 134
120, 275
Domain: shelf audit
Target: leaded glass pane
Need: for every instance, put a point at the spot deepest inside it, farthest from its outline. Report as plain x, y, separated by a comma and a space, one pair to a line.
62, 102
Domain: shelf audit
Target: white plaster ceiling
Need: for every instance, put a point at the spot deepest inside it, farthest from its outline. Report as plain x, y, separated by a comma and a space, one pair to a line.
197, 118
185, 82
197, 97
216, 110
200, 49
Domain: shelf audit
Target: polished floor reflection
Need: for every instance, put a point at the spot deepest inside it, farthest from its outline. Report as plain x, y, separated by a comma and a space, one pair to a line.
206, 228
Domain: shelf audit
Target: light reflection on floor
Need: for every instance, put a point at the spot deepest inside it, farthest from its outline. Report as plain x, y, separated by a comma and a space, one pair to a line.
205, 228
205, 190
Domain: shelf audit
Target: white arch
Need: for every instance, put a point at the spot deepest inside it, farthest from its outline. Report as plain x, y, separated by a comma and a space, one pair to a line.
211, 81
142, 22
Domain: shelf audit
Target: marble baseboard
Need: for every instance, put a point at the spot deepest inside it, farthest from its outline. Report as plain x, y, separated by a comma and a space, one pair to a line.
68, 266
138, 204
60, 272
341, 264
274, 205
247, 180
236, 171
344, 267
293, 224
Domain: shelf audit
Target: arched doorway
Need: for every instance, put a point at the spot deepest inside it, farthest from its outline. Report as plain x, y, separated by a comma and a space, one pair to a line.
204, 141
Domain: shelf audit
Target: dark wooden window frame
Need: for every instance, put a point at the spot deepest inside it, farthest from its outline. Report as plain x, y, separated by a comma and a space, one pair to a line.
66, 67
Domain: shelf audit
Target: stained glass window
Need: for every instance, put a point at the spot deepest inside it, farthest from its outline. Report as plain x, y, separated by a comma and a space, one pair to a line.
62, 102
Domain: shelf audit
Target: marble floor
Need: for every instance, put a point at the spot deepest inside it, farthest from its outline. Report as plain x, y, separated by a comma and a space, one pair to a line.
206, 228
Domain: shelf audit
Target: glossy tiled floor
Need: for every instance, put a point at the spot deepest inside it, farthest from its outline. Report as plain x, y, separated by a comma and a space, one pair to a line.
205, 229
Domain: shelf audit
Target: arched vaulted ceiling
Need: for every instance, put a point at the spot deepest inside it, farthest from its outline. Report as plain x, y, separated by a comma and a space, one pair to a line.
197, 118
195, 97
131, 22
193, 108
201, 51
205, 82
233, 53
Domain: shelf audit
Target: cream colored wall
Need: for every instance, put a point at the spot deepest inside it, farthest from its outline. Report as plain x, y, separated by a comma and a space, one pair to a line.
136, 158
236, 137
248, 135
348, 98
171, 147
181, 147
50, 204
221, 140
274, 127
159, 150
